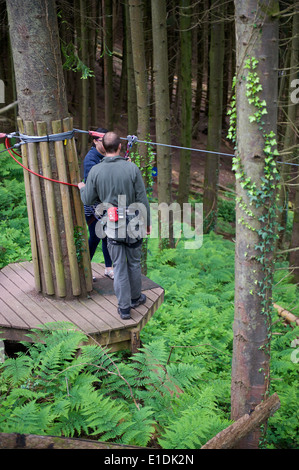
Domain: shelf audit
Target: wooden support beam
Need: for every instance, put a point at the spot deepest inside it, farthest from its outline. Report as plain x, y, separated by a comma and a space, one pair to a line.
135, 340
58, 233
32, 441
52, 214
229, 437
40, 223
29, 202
288, 316
67, 211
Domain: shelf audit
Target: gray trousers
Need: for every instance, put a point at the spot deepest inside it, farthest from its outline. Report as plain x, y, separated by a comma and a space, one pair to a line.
127, 272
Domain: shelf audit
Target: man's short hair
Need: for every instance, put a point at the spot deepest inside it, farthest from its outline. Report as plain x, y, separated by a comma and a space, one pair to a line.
111, 142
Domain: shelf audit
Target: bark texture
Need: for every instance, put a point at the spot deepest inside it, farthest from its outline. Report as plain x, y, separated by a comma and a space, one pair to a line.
256, 36
54, 210
216, 57
231, 436
162, 111
36, 53
186, 100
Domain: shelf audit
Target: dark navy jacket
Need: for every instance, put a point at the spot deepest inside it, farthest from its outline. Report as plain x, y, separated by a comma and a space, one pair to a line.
93, 157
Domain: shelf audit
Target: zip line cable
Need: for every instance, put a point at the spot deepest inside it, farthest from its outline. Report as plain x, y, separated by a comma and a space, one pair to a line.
70, 134
31, 171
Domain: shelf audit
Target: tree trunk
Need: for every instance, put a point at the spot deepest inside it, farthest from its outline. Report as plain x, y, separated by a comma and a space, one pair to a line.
108, 63
93, 36
131, 88
186, 101
289, 139
138, 51
55, 211
230, 437
216, 57
162, 111
34, 441
200, 56
84, 102
256, 36
294, 254
140, 74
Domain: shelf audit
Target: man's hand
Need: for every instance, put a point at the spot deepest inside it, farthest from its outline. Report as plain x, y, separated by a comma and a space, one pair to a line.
81, 185
148, 229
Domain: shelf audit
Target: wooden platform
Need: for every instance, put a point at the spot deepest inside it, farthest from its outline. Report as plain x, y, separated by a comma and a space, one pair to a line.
22, 308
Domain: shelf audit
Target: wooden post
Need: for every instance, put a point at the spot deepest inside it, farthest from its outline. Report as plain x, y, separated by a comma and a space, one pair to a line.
40, 225
74, 173
231, 436
135, 340
50, 199
30, 212
61, 263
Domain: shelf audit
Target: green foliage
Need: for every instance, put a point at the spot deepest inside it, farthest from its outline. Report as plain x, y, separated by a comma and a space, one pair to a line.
176, 390
79, 243
65, 386
259, 195
227, 210
14, 230
195, 322
145, 164
73, 62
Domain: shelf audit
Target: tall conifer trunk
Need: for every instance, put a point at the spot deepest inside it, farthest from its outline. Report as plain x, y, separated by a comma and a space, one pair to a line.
162, 117
55, 211
108, 62
256, 36
216, 57
186, 100
140, 72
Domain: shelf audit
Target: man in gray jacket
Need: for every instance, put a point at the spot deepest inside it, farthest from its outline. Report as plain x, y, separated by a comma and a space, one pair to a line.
118, 184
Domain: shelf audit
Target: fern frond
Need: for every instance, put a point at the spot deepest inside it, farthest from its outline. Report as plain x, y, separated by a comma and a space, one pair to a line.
141, 429
17, 370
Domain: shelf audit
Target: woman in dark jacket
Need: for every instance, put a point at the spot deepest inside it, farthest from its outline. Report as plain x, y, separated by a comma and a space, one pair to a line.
93, 157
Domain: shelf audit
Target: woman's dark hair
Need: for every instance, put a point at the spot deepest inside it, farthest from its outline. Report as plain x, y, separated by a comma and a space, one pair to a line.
102, 130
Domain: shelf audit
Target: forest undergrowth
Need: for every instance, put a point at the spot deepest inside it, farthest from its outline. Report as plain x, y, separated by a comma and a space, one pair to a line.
175, 392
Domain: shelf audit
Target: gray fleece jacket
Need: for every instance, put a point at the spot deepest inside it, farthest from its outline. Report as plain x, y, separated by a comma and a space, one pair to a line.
115, 177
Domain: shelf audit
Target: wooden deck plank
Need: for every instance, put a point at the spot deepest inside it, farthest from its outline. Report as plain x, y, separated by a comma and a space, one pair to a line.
25, 285
22, 315
135, 315
71, 315
80, 306
22, 308
91, 311
27, 277
7, 316
107, 311
59, 310
111, 307
29, 304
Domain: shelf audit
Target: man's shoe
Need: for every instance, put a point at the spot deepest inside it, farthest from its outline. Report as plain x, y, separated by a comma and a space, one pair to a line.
124, 314
136, 302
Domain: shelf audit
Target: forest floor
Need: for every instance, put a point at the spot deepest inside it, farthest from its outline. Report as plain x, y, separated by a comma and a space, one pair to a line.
226, 175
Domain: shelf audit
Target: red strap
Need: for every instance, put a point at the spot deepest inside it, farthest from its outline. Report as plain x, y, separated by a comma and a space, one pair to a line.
30, 171
96, 134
